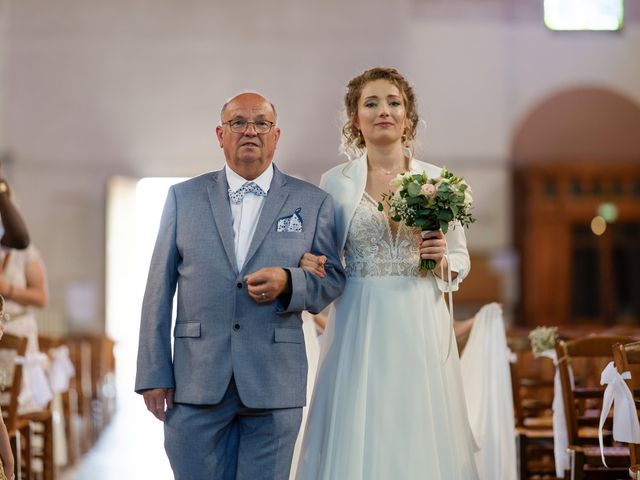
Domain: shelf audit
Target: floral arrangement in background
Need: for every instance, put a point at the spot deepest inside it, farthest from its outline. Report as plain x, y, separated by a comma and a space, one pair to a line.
429, 203
542, 339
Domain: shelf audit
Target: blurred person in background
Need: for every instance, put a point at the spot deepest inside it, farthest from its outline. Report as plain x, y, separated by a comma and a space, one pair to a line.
23, 285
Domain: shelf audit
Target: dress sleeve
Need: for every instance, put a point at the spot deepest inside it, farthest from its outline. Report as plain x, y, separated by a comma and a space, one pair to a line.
31, 253
457, 257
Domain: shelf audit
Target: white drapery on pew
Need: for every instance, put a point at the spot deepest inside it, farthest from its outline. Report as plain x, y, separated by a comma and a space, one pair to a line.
36, 392
560, 436
61, 371
487, 384
626, 427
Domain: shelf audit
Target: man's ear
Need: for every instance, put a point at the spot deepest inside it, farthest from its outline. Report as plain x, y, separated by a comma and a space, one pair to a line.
219, 135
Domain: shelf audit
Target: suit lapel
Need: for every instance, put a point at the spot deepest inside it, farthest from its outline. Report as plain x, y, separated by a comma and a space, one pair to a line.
219, 199
278, 193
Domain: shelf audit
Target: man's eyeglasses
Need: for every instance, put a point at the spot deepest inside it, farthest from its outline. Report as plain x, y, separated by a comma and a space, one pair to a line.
240, 126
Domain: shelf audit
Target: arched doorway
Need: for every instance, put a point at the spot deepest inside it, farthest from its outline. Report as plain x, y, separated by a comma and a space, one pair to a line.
574, 154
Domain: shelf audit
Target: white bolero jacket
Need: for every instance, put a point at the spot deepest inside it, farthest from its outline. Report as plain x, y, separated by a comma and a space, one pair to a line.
346, 183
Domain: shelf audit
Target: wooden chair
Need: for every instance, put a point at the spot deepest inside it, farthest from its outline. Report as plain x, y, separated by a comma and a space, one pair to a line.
107, 378
585, 357
102, 383
81, 394
11, 347
65, 406
532, 384
41, 422
624, 356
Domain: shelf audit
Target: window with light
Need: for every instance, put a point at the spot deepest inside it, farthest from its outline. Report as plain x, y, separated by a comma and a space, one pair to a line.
605, 15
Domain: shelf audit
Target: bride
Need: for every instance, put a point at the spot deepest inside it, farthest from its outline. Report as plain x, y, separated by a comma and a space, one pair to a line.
388, 399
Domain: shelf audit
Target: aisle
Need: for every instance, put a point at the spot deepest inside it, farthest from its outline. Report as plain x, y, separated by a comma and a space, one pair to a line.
130, 447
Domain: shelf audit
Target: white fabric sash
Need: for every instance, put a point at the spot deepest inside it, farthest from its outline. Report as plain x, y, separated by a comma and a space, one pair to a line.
560, 436
35, 378
486, 378
449, 296
626, 427
61, 370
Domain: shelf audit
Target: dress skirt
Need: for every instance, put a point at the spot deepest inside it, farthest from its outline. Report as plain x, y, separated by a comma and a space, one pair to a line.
388, 402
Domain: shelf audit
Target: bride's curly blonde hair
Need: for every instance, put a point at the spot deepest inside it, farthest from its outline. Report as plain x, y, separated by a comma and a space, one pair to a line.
352, 139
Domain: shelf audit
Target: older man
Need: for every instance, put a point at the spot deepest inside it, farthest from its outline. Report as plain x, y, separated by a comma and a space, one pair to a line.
231, 394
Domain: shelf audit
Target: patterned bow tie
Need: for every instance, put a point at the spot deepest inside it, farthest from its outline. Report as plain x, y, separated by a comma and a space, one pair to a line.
249, 187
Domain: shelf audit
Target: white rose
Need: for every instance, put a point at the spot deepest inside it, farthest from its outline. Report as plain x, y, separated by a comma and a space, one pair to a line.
397, 182
468, 199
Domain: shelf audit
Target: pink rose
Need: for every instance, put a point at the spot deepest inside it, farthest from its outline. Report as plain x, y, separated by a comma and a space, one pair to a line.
429, 190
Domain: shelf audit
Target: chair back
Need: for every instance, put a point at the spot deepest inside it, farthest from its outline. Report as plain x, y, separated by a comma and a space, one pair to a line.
624, 356
531, 382
569, 353
11, 347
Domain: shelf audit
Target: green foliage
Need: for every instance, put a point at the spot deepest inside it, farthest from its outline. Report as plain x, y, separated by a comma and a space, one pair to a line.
429, 203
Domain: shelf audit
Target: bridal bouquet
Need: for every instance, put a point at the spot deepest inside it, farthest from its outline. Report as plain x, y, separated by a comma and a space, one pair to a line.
429, 203
542, 339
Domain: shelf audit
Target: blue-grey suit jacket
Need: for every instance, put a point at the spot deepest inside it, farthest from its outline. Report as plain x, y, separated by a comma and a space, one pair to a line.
219, 330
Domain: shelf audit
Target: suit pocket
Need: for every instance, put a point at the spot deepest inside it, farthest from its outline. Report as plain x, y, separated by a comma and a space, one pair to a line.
290, 235
187, 329
289, 335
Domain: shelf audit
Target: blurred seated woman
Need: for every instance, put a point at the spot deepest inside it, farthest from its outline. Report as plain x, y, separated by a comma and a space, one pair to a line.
24, 287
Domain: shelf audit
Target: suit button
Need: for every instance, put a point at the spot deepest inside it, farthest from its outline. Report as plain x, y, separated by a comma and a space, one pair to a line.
236, 327
239, 285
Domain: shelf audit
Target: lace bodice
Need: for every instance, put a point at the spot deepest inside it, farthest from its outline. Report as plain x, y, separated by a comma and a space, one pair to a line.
372, 248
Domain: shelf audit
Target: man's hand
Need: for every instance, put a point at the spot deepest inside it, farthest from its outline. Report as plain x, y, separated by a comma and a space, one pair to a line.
155, 399
266, 284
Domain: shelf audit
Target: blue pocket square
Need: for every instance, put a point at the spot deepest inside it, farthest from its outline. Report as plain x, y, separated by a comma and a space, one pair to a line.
291, 223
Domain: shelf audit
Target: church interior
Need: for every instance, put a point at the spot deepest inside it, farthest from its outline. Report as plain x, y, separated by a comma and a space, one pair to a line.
103, 105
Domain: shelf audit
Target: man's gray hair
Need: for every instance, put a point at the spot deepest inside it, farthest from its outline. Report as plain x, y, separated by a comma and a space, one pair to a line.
224, 107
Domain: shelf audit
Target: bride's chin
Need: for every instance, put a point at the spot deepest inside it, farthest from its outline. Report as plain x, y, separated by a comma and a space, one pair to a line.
384, 141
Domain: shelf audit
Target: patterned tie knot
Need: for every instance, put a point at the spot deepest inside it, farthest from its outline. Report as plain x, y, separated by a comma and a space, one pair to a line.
248, 187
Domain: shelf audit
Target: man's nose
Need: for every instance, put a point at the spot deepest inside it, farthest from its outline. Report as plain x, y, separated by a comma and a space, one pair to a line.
250, 131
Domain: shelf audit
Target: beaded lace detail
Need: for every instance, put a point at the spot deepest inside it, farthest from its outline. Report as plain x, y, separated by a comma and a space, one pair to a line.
372, 249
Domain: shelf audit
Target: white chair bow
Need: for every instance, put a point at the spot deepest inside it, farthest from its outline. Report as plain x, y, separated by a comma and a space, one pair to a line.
626, 427
36, 379
61, 370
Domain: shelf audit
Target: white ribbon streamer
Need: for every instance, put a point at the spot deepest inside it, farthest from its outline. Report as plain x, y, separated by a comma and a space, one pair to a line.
560, 436
61, 370
626, 427
450, 296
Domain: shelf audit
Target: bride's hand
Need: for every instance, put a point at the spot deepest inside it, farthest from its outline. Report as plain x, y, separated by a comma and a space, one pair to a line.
433, 247
314, 264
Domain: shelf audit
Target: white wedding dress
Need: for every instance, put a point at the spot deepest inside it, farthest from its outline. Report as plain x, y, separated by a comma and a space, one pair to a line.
388, 402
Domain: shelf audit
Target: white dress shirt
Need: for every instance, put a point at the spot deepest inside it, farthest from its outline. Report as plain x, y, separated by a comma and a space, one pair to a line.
246, 213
